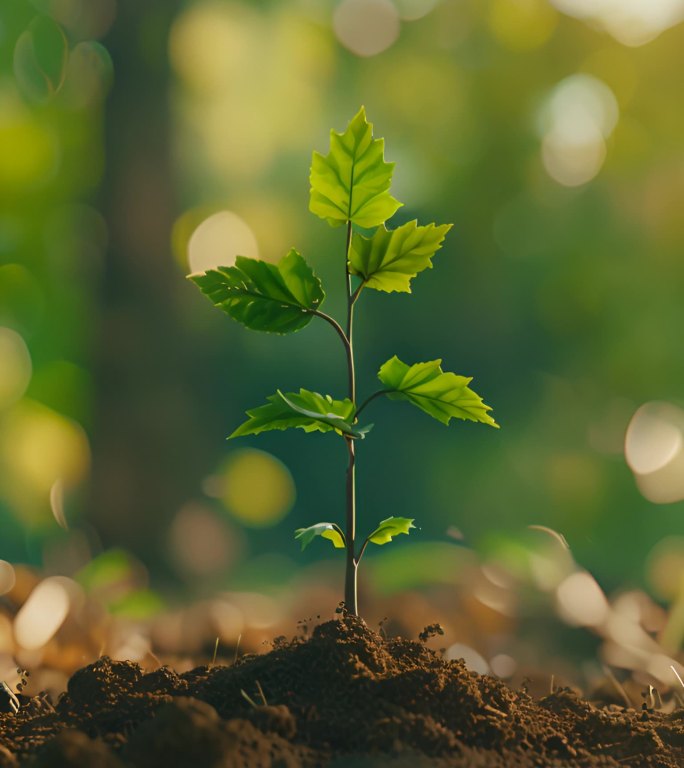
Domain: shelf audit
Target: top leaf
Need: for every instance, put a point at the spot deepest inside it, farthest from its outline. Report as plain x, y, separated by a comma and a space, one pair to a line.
388, 260
351, 183
275, 298
442, 395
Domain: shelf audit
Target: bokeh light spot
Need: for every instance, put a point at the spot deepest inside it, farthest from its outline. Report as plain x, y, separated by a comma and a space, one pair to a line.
522, 25
366, 27
218, 240
29, 151
38, 446
200, 543
580, 113
207, 42
255, 487
665, 568
15, 367
503, 666
654, 451
631, 22
411, 10
473, 660
7, 577
580, 601
42, 614
90, 73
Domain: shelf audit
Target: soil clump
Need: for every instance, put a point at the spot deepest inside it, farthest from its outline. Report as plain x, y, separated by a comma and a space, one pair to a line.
345, 696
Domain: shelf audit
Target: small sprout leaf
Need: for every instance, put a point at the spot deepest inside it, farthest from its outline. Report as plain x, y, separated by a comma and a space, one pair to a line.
351, 182
388, 260
307, 410
442, 395
393, 526
275, 298
328, 531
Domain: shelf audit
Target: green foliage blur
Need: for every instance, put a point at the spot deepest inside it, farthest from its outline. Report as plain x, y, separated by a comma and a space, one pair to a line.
140, 142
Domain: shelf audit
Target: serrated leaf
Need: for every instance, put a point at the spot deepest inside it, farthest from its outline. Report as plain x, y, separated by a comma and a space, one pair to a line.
442, 395
388, 260
306, 410
328, 531
390, 527
351, 182
275, 298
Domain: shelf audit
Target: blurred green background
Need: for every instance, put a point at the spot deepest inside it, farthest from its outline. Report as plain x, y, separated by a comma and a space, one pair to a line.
142, 141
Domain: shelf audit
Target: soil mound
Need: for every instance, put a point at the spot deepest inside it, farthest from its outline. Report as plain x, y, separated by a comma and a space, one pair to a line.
343, 697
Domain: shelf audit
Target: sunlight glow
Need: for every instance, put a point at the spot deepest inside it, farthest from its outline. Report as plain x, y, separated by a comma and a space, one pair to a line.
631, 22
366, 27
654, 451
218, 240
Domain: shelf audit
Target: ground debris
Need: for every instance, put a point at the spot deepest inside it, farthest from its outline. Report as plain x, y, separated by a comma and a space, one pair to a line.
345, 695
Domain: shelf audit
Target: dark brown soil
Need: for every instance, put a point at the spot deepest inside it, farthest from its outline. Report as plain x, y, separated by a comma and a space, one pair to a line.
343, 697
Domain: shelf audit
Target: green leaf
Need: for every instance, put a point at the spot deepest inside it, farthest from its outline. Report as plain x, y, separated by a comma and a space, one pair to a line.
388, 260
307, 410
393, 526
443, 395
40, 59
351, 183
328, 531
276, 298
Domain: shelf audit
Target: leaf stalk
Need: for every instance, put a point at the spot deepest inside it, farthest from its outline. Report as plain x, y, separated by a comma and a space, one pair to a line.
369, 400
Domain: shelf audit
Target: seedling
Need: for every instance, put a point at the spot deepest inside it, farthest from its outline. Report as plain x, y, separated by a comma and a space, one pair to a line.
349, 188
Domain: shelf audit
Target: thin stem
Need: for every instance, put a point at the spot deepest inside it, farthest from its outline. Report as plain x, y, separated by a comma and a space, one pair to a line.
350, 316
328, 319
350, 580
368, 400
356, 293
345, 341
363, 549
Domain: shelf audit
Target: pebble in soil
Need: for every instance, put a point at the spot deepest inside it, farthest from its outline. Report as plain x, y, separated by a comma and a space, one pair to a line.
344, 696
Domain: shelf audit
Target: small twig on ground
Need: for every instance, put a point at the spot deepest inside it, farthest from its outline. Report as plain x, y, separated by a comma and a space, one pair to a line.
494, 710
679, 677
213, 658
248, 698
608, 672
261, 693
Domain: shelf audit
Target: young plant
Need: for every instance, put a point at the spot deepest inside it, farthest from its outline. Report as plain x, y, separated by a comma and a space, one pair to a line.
349, 188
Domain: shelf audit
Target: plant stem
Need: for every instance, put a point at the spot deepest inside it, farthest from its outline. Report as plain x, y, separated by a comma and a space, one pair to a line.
351, 298
350, 581
368, 400
350, 589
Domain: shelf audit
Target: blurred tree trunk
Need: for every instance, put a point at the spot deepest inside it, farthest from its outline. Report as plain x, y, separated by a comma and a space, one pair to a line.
141, 428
